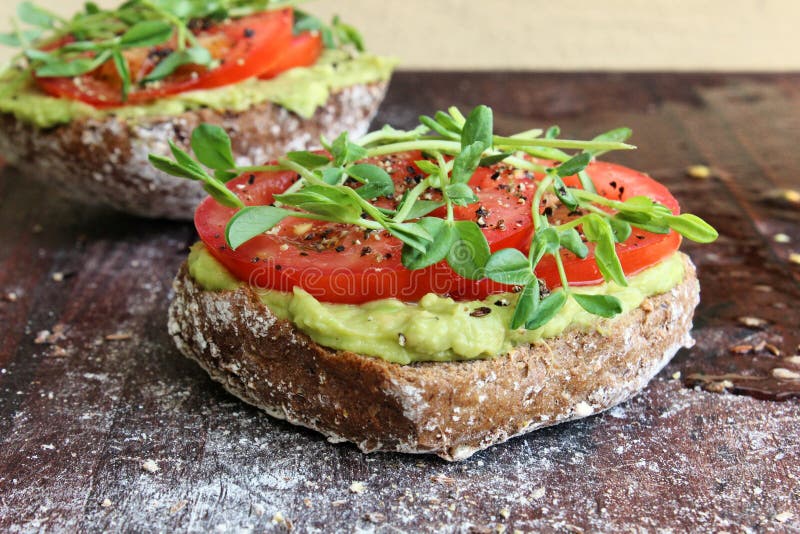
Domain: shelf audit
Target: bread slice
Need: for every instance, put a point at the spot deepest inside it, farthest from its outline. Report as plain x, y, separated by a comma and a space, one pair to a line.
104, 161
450, 409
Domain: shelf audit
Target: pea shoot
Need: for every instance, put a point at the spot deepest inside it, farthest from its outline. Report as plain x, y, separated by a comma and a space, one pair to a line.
454, 146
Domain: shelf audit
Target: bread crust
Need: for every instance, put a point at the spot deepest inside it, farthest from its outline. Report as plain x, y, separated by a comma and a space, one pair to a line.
104, 161
451, 409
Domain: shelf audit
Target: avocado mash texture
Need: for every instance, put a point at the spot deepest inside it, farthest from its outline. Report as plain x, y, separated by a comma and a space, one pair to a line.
301, 90
435, 328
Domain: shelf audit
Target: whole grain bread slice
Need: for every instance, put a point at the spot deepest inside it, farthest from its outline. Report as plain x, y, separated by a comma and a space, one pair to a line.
104, 161
450, 409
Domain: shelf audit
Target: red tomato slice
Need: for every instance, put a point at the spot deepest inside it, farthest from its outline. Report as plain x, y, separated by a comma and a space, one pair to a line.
640, 251
340, 263
301, 52
245, 47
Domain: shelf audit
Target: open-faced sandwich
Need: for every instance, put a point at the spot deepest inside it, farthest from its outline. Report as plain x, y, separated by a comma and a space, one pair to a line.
88, 98
436, 290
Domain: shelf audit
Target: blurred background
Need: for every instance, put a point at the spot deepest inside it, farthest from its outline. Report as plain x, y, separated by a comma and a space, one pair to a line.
731, 35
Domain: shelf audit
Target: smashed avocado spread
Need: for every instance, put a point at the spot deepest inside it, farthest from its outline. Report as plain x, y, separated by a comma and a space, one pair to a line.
435, 328
301, 90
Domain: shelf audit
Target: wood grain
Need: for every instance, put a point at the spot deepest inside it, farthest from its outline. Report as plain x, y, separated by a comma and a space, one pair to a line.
80, 416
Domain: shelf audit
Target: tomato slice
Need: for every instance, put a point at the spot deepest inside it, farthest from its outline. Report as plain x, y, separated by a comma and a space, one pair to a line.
245, 48
641, 250
303, 51
341, 263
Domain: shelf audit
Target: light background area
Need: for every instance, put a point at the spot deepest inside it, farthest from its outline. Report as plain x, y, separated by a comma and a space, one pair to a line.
745, 35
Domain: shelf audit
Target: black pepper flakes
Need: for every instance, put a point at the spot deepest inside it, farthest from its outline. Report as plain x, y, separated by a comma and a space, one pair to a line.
483, 311
340, 248
249, 32
251, 179
278, 267
495, 175
365, 251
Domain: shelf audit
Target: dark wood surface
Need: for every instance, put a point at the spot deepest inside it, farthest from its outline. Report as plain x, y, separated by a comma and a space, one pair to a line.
81, 413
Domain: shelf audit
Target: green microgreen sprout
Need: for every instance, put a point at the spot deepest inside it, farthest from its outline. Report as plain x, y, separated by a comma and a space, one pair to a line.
453, 148
52, 46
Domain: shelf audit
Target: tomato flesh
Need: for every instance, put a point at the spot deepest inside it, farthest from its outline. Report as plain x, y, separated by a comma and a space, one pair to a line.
345, 264
303, 50
245, 48
640, 251
339, 263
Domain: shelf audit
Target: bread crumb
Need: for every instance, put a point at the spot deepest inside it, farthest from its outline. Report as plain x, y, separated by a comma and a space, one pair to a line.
358, 487
46, 336
783, 517
443, 479
794, 257
277, 518
11, 296
258, 509
505, 513
307, 502
718, 387
676, 376
785, 374
698, 172
791, 195
781, 238
59, 352
583, 409
150, 466
793, 359
119, 336
538, 493
41, 337
753, 322
178, 506
58, 277
500, 528
106, 503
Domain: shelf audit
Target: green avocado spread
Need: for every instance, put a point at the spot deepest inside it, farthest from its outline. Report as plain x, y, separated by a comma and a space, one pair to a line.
301, 90
435, 328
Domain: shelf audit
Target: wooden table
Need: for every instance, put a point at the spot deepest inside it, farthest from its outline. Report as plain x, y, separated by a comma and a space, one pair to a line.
83, 409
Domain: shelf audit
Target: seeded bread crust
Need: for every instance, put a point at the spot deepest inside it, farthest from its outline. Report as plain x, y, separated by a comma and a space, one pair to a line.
451, 409
104, 161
